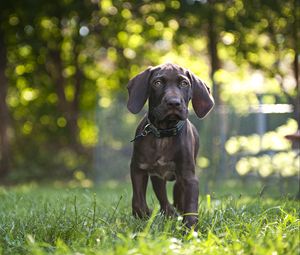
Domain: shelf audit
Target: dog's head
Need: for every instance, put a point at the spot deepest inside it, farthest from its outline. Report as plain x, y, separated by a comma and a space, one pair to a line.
169, 88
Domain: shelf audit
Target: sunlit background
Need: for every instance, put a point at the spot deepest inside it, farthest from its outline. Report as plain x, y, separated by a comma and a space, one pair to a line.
64, 66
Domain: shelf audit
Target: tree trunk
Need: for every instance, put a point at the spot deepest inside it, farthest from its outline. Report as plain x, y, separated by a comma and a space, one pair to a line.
296, 64
74, 106
215, 63
69, 110
218, 140
4, 114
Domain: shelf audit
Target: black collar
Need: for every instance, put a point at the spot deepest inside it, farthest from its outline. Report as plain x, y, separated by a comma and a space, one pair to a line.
160, 133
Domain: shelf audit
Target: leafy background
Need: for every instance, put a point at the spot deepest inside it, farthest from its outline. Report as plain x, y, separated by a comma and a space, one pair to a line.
64, 66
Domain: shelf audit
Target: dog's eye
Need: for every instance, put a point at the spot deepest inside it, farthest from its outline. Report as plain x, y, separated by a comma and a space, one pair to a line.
158, 83
184, 84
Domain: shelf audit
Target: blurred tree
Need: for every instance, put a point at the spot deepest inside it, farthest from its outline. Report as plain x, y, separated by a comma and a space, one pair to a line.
5, 145
62, 60
4, 112
267, 38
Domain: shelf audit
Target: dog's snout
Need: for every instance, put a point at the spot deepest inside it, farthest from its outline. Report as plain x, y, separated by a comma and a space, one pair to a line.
173, 102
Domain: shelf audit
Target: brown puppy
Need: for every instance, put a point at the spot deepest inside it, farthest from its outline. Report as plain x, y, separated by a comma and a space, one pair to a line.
166, 142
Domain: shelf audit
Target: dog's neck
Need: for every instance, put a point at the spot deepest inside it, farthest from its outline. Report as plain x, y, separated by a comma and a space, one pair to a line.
164, 124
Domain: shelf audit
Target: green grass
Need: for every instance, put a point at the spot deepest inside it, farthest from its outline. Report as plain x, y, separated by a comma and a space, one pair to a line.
59, 220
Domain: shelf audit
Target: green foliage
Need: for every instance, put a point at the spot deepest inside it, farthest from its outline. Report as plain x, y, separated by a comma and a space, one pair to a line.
285, 164
49, 220
253, 144
279, 159
65, 59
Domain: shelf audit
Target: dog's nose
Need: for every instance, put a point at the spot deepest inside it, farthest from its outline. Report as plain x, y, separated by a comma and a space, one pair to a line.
173, 102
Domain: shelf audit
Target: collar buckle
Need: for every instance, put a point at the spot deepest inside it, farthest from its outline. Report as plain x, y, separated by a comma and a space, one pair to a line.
160, 133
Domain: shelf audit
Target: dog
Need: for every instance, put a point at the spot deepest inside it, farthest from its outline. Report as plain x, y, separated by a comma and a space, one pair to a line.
166, 142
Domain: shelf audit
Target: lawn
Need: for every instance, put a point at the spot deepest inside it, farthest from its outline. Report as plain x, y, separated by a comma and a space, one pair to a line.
235, 219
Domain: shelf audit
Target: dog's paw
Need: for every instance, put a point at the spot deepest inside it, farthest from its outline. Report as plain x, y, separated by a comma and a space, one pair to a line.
142, 213
169, 211
191, 221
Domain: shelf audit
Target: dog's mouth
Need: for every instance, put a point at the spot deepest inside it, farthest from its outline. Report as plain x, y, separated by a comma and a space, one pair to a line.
173, 117
170, 115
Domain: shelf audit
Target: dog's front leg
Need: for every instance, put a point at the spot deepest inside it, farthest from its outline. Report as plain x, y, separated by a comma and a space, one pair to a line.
190, 186
159, 187
139, 180
191, 194
178, 196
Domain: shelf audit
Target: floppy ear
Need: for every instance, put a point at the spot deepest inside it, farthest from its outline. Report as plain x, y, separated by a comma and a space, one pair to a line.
202, 100
138, 90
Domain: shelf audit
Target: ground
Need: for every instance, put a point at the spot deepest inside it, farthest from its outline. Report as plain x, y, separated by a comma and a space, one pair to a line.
235, 219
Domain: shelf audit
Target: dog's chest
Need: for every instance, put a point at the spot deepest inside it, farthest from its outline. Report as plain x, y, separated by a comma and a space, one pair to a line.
161, 161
